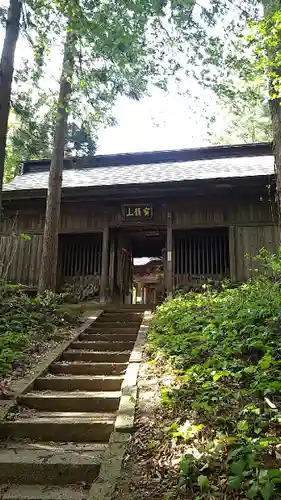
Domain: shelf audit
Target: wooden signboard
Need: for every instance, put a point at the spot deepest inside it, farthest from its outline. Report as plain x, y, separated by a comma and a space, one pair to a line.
137, 212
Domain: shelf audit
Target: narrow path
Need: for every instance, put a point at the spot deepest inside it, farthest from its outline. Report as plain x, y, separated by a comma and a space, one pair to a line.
55, 444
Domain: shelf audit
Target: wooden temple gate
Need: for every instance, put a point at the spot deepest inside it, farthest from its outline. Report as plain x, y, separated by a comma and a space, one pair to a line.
201, 234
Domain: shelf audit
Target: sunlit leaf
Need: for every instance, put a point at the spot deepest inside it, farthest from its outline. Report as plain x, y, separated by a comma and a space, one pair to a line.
203, 482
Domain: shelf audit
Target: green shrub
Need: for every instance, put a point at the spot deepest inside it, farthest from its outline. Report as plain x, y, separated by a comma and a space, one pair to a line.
225, 352
26, 322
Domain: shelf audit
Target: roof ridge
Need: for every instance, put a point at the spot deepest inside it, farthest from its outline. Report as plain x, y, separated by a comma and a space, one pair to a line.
160, 174
154, 157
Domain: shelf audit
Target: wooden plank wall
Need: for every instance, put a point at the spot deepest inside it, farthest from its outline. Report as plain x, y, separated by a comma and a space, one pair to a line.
81, 217
20, 259
190, 213
218, 213
249, 240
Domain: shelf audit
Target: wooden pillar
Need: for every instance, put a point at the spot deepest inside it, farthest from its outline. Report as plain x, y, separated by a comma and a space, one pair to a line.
142, 294
104, 265
111, 266
232, 254
169, 267
145, 295
139, 291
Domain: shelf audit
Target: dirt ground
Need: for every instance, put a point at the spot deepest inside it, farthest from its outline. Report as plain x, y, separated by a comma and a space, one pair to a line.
151, 466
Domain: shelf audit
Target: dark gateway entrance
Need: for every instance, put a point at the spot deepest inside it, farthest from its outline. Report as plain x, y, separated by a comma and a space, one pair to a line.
197, 256
136, 244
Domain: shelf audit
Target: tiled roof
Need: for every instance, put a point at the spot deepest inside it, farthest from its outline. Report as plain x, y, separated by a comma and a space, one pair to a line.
149, 173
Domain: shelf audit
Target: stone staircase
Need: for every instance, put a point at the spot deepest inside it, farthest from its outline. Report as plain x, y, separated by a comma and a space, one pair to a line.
53, 447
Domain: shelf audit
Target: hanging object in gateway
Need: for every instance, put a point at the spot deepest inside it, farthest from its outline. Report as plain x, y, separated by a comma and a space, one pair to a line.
137, 212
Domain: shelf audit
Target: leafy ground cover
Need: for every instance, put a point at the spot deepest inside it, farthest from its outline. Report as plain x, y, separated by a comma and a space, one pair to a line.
219, 354
28, 326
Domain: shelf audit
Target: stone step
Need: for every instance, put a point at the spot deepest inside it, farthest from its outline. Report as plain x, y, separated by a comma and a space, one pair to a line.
116, 324
123, 317
118, 330
71, 401
110, 357
140, 309
111, 337
119, 323
80, 368
124, 307
79, 382
43, 492
50, 463
61, 426
103, 346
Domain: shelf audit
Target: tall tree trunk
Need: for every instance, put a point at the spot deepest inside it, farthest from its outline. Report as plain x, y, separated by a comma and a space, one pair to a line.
6, 78
275, 109
270, 8
48, 272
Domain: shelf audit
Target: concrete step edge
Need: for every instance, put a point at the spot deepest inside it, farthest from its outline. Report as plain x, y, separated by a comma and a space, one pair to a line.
130, 325
69, 417
102, 346
84, 368
83, 363
96, 356
50, 446
112, 329
29, 456
42, 492
70, 394
111, 337
60, 428
104, 342
55, 377
92, 351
